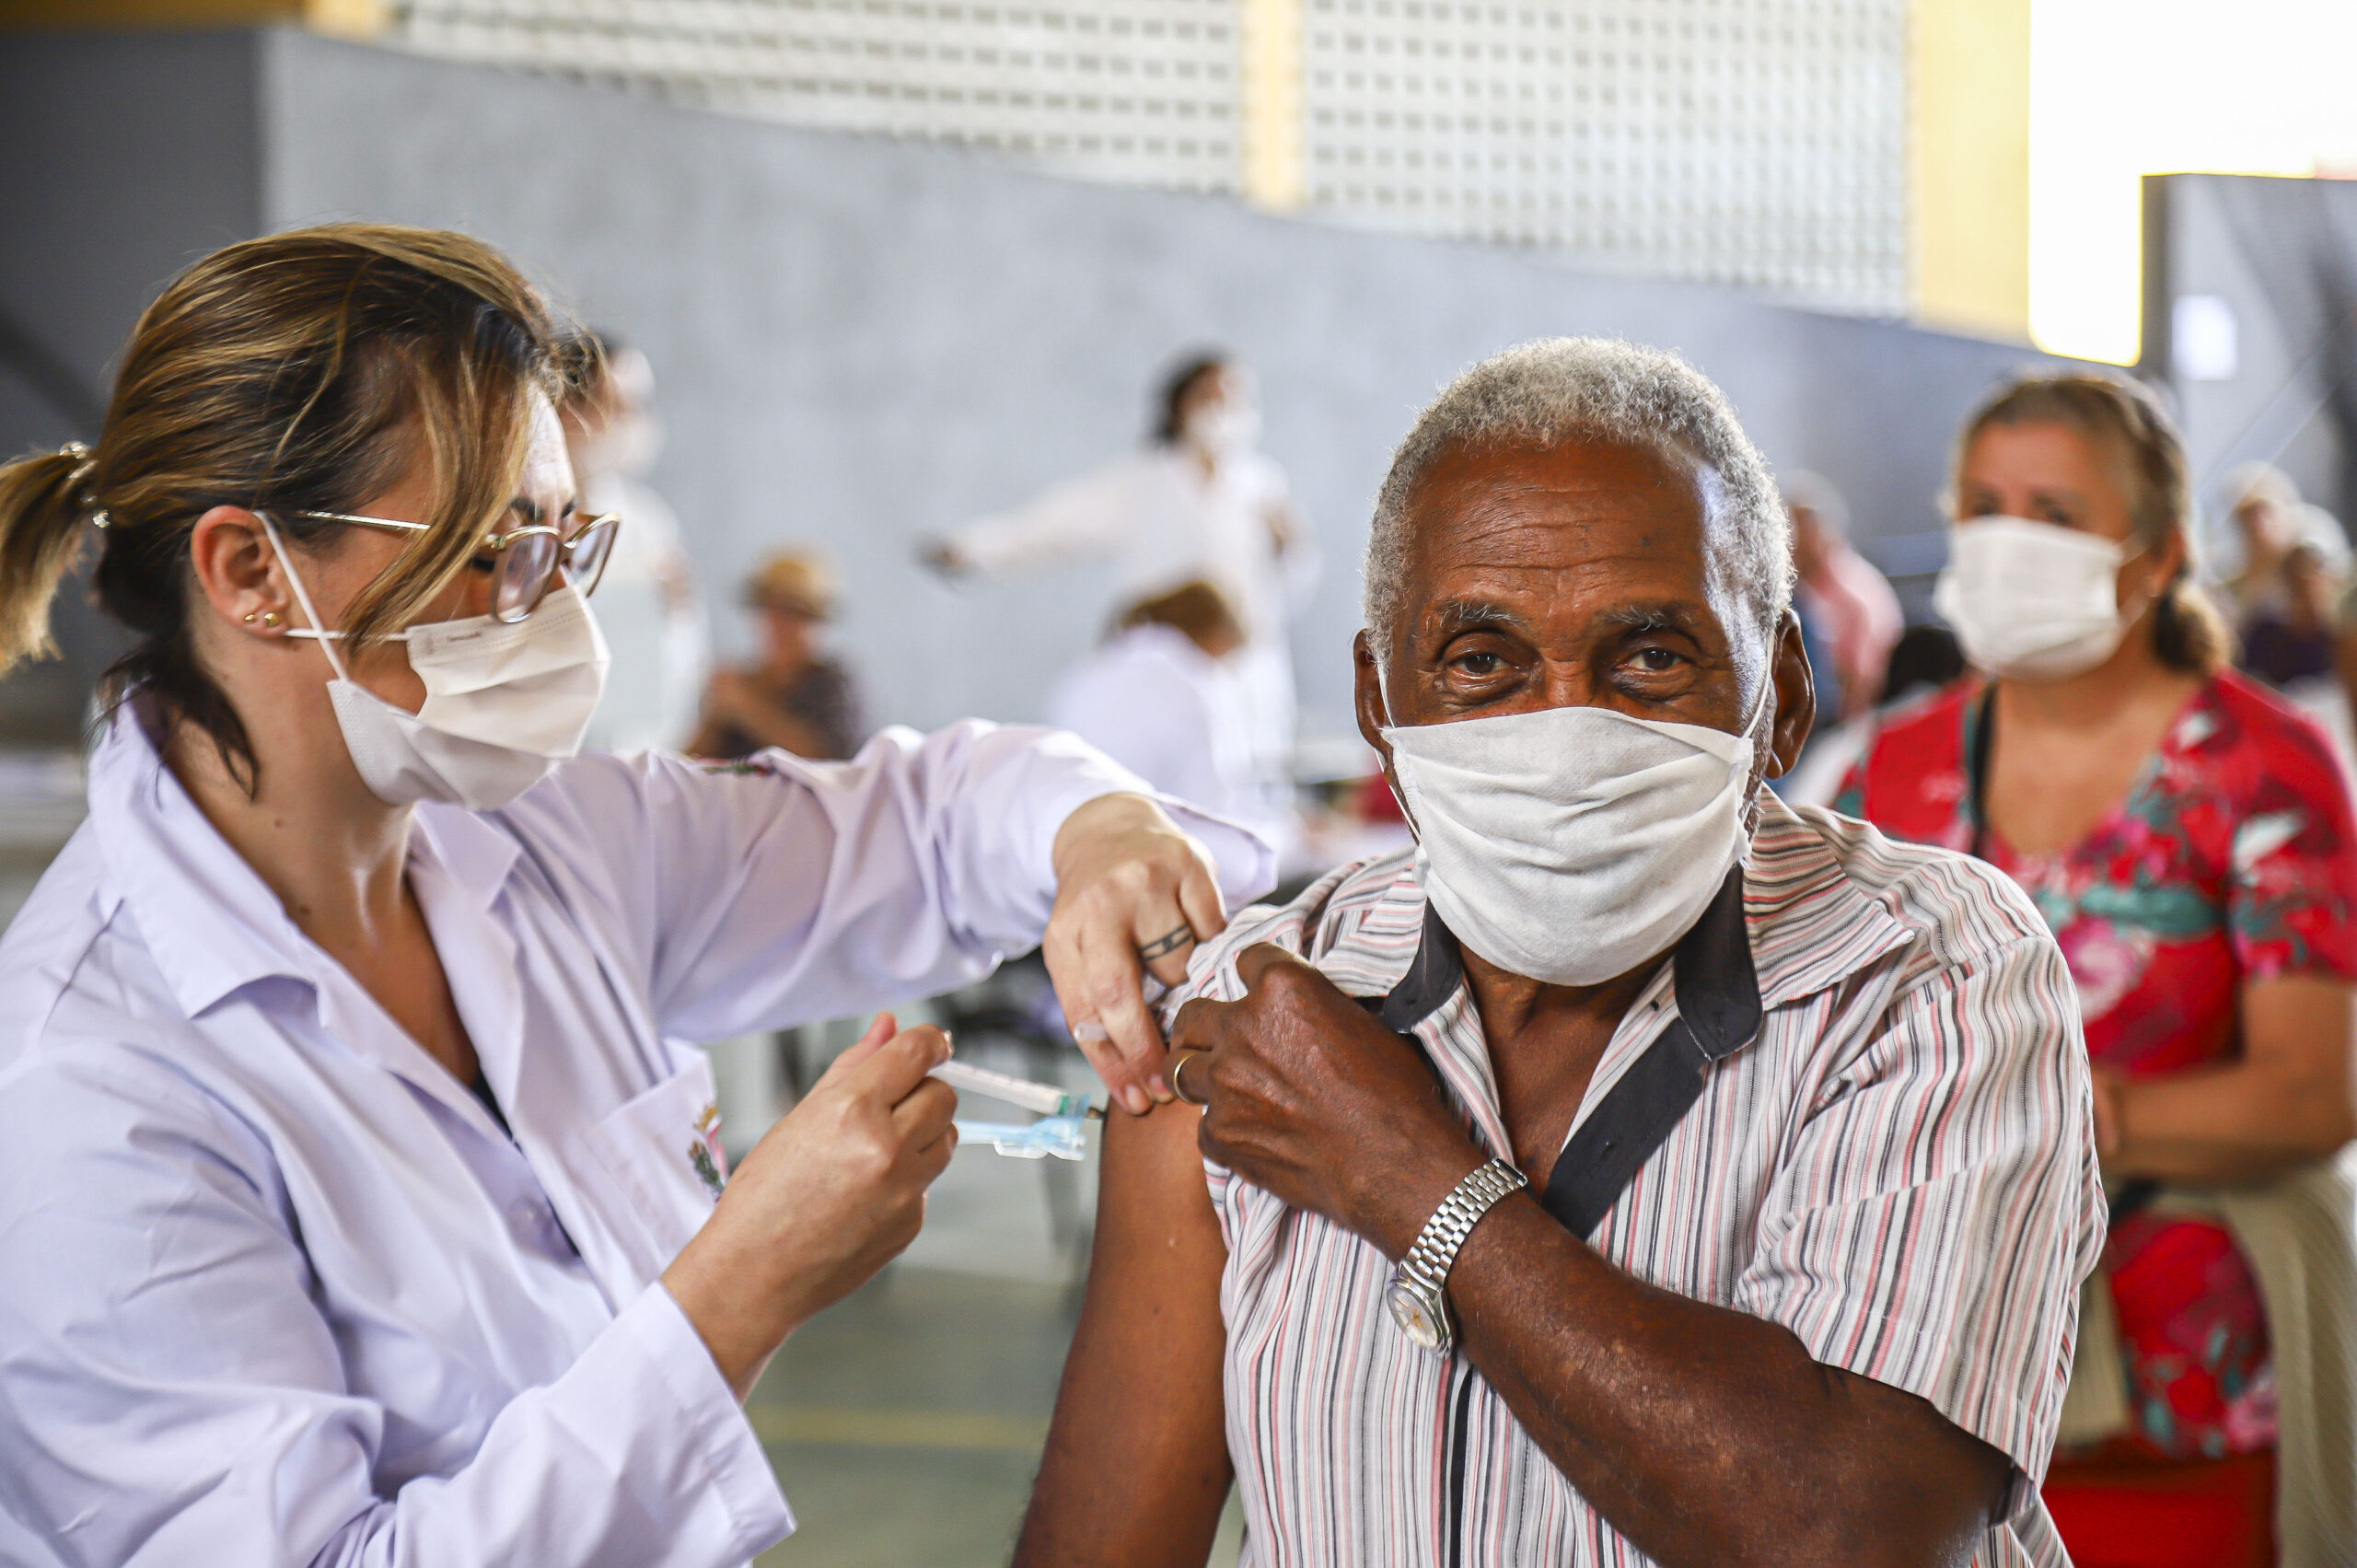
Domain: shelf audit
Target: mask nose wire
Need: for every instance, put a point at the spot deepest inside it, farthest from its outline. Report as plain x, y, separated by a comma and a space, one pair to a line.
326, 639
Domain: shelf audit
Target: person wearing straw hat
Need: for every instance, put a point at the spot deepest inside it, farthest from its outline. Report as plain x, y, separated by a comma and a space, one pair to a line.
793, 697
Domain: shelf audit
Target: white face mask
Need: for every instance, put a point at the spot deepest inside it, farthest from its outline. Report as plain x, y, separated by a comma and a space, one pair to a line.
1226, 429
2030, 600
1571, 844
503, 703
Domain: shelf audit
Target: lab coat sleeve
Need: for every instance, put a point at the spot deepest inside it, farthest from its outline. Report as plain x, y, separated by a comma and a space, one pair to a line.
1082, 519
778, 890
172, 1391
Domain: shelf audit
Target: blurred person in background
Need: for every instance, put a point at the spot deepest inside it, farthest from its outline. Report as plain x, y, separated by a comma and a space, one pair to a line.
1200, 501
2267, 520
1841, 594
1925, 659
2187, 837
361, 1199
793, 697
1161, 696
652, 615
2289, 643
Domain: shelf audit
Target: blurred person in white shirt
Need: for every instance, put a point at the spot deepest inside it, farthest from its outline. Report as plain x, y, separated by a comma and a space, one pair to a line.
1199, 500
1842, 591
649, 608
1162, 696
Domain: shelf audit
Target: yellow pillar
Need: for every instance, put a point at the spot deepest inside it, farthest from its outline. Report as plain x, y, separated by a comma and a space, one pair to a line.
349, 18
1969, 174
1274, 151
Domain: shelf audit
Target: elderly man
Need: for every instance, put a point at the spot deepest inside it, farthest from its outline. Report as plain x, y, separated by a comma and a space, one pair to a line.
1638, 1172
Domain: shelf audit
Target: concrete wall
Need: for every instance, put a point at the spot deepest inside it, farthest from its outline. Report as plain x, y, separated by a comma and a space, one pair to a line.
2281, 255
864, 341
123, 157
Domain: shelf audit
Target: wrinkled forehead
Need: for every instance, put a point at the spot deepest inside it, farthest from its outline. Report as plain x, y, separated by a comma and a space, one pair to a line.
1576, 526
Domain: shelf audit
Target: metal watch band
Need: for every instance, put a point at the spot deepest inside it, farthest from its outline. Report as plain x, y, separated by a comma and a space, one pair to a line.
1436, 1244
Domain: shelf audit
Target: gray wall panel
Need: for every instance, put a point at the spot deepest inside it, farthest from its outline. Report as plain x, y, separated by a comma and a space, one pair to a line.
862, 342
2282, 254
123, 156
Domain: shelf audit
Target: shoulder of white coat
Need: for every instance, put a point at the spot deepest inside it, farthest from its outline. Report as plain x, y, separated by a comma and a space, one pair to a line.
46, 950
98, 1066
590, 805
1957, 909
1316, 925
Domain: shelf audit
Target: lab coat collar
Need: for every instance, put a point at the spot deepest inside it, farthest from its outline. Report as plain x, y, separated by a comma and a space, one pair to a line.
473, 854
211, 924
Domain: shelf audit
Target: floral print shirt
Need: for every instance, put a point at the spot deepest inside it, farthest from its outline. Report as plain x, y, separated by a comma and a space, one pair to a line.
2229, 860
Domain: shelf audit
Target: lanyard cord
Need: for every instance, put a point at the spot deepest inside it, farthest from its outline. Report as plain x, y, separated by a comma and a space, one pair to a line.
1984, 740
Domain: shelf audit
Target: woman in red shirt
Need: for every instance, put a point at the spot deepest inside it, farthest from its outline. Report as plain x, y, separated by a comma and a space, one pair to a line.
2187, 837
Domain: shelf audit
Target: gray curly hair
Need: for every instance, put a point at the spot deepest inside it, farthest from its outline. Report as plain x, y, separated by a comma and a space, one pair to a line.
1545, 393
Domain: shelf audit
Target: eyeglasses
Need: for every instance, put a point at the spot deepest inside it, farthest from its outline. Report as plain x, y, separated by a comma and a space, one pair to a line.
529, 556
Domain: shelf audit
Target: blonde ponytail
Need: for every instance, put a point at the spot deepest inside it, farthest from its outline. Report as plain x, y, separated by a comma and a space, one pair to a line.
41, 507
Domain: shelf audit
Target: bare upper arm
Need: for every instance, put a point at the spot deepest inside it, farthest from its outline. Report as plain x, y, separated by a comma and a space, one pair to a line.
2300, 1029
1136, 1466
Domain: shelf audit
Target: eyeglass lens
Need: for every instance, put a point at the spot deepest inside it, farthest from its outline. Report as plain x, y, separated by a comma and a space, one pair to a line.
586, 553
525, 567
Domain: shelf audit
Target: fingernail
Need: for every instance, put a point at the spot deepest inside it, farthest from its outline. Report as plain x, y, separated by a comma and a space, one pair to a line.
1133, 1100
1161, 1088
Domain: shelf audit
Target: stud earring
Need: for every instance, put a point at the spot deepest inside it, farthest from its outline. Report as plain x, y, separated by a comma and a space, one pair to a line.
270, 619
248, 618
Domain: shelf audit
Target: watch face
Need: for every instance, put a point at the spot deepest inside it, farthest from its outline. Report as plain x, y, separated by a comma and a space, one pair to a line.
1417, 1316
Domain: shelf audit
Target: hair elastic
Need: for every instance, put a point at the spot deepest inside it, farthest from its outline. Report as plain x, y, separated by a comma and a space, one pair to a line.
85, 463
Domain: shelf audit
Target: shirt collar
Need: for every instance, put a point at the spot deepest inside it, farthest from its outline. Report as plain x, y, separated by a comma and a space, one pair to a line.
210, 922
1788, 923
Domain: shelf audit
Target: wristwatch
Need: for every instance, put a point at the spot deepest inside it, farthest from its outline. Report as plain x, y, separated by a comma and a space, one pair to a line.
1418, 1293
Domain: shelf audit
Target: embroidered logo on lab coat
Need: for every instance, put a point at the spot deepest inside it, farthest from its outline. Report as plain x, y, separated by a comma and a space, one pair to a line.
705, 1151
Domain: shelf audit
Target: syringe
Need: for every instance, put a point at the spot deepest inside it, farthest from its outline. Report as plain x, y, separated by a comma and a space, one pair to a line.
1066, 1137
1045, 1098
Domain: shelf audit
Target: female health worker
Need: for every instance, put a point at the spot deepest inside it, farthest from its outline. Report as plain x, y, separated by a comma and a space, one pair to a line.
356, 1203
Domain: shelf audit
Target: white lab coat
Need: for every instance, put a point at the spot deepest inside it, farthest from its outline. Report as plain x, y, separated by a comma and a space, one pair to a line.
276, 1289
1177, 717
1162, 522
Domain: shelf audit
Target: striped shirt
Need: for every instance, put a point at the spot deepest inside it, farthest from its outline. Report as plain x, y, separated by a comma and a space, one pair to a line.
1898, 1166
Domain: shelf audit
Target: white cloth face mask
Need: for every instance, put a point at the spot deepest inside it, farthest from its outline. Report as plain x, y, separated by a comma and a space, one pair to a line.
2031, 600
1571, 844
505, 702
1226, 429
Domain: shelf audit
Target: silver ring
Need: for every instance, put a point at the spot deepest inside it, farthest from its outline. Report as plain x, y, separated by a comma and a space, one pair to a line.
1163, 947
1181, 1066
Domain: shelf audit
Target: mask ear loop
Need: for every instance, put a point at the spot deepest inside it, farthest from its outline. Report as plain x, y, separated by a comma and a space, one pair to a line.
1767, 687
326, 639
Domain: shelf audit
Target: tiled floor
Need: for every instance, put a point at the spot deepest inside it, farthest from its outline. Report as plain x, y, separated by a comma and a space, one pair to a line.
906, 1423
